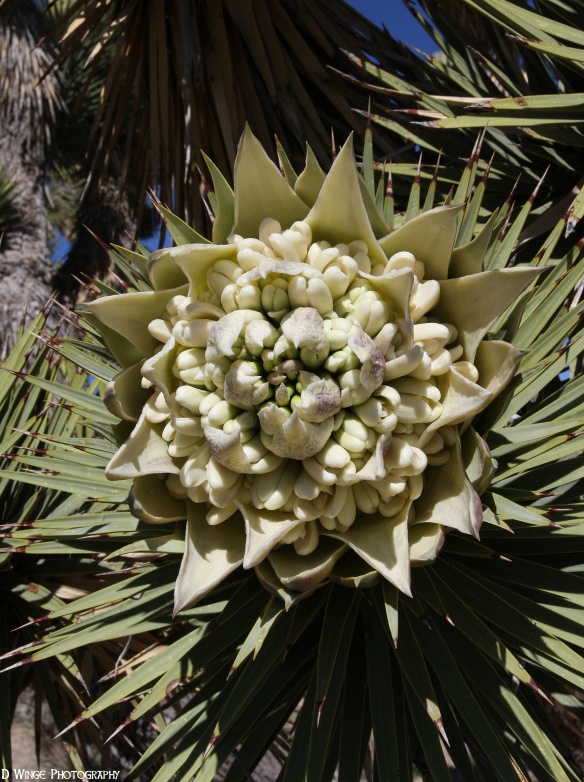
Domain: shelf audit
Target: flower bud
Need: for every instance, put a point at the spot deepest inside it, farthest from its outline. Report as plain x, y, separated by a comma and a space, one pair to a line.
466, 369
250, 258
160, 329
274, 299
401, 260
187, 425
283, 247
267, 227
309, 541
190, 397
424, 299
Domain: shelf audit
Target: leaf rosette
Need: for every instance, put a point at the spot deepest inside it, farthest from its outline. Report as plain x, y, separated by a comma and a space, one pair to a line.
303, 388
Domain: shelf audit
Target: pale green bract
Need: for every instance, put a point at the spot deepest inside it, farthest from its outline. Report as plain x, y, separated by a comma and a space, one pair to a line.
303, 387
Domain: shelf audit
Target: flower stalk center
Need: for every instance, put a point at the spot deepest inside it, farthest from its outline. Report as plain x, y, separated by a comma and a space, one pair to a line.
304, 378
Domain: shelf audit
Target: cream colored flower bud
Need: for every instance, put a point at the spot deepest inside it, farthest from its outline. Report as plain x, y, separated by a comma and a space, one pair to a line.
362, 260
340, 509
384, 339
284, 247
175, 487
229, 297
342, 360
187, 425
466, 369
308, 543
437, 459
260, 334
209, 401
254, 449
401, 260
350, 380
250, 258
192, 357
415, 486
320, 254
300, 237
318, 472
219, 476
337, 332
354, 436
456, 353
303, 228
369, 412
244, 423
366, 497
372, 314
390, 508
249, 297
267, 227
387, 423
195, 376
289, 246
319, 296
408, 385
441, 362
160, 329
190, 309
424, 299
415, 410
161, 404
193, 334
250, 243
298, 291
404, 364
219, 414
215, 372
274, 299
190, 397
434, 445
182, 445
437, 332
173, 304
156, 413
333, 456
274, 489
337, 281
308, 510
306, 487
400, 454
218, 281
424, 369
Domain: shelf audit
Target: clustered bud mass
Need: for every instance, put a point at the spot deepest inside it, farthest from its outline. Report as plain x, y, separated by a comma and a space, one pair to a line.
303, 388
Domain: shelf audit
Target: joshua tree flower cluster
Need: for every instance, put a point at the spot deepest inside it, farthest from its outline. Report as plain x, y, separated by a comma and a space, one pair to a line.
302, 388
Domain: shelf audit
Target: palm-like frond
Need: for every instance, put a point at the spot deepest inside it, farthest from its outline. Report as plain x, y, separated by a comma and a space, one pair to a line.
477, 662
509, 66
51, 468
184, 77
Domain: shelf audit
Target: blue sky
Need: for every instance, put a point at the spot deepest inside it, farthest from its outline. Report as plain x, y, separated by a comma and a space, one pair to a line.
398, 20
